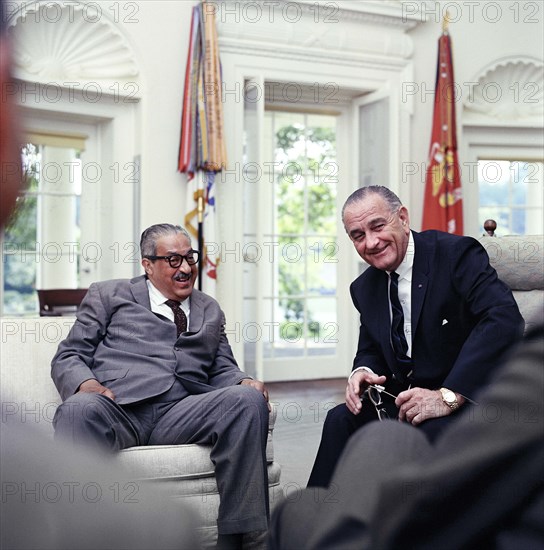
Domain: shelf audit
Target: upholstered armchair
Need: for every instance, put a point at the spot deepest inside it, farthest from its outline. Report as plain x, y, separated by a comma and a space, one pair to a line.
28, 393
519, 261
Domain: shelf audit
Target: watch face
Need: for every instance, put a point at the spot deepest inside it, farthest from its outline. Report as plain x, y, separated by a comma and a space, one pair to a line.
449, 396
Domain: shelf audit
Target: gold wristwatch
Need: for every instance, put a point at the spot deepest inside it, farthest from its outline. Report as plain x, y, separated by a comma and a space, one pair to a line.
449, 398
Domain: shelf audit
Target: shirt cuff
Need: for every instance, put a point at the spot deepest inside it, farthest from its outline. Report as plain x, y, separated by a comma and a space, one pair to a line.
358, 369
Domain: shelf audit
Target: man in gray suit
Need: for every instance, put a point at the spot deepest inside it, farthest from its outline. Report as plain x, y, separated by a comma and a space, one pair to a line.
147, 362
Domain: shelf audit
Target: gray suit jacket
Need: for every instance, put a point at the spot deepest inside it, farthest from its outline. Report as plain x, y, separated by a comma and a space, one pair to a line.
119, 341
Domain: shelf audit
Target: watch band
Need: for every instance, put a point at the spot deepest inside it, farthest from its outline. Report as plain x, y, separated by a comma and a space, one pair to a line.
449, 398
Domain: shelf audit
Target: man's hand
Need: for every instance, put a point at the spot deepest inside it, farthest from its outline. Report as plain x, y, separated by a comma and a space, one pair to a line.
357, 384
258, 385
418, 404
94, 386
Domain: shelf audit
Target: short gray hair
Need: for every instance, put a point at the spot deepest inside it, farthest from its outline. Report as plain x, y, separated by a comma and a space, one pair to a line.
148, 240
362, 193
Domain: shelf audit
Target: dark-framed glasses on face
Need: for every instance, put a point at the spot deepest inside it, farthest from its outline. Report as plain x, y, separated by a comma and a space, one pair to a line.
374, 393
175, 260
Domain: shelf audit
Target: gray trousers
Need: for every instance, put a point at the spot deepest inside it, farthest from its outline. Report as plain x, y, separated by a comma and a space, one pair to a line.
234, 420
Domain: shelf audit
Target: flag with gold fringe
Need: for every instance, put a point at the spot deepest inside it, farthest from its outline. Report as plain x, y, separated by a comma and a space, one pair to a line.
202, 151
443, 206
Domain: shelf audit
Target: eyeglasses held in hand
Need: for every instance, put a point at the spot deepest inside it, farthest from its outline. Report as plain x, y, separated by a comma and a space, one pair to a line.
175, 260
374, 393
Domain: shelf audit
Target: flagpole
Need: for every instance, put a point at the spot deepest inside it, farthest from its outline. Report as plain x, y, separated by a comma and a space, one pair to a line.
199, 197
445, 22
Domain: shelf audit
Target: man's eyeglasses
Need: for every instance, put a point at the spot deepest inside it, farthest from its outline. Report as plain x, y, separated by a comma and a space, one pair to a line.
374, 393
175, 260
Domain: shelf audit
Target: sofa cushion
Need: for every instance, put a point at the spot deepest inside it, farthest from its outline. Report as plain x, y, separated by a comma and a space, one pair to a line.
531, 306
519, 260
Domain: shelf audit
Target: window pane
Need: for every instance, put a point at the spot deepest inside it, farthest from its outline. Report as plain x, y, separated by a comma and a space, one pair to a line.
518, 222
20, 283
290, 139
291, 272
519, 183
289, 328
290, 204
31, 158
322, 329
322, 208
321, 135
321, 267
533, 177
511, 193
493, 180
21, 231
290, 309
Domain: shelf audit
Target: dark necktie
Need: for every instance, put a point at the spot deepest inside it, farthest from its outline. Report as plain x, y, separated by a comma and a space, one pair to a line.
398, 339
179, 317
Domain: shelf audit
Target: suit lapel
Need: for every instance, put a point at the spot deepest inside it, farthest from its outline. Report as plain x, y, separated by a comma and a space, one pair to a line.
140, 291
197, 312
420, 277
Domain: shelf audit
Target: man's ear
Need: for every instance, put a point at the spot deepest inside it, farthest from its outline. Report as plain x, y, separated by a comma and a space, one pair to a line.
404, 218
146, 264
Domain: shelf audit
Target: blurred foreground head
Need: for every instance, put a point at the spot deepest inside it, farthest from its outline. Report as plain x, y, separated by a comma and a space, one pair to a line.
10, 154
54, 497
60, 498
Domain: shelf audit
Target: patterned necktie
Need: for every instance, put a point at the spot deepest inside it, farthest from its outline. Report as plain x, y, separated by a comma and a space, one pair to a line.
179, 316
398, 339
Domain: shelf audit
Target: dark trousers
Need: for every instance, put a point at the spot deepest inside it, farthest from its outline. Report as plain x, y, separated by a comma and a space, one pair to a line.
340, 424
326, 518
234, 420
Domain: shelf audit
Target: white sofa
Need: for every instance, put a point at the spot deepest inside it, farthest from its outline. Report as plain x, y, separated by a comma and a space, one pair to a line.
29, 395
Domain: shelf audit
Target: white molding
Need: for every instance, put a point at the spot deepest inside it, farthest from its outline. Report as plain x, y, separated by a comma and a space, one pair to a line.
317, 55
376, 12
355, 34
507, 92
505, 61
71, 44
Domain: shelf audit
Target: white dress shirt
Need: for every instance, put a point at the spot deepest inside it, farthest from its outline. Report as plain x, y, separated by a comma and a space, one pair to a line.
158, 304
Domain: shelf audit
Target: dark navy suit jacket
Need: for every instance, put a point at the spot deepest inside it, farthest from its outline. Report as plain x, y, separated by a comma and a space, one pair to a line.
463, 317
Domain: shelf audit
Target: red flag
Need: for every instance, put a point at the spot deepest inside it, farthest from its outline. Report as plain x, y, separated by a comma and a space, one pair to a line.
443, 207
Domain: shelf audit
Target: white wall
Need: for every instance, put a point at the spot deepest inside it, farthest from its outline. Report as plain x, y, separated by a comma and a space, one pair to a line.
160, 38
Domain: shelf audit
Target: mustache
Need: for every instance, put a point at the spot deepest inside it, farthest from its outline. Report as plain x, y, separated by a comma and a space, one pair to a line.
182, 276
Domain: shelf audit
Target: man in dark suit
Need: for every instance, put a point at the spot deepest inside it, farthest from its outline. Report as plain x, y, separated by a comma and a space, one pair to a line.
147, 362
435, 320
479, 486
